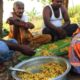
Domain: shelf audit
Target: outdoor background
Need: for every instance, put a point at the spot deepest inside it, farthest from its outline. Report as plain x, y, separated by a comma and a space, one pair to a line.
34, 8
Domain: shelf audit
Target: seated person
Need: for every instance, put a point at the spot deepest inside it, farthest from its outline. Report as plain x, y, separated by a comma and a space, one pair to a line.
74, 52
56, 21
7, 49
19, 27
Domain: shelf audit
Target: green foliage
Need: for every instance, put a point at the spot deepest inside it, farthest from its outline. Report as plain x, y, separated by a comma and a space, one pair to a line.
6, 26
74, 13
45, 1
32, 14
38, 22
74, 10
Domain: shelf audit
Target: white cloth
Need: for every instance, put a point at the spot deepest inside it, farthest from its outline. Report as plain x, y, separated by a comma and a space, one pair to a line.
56, 21
24, 17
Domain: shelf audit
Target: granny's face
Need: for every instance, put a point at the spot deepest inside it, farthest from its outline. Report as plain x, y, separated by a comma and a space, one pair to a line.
18, 10
57, 3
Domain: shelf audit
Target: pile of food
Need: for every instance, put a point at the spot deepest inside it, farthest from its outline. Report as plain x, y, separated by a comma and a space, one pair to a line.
47, 72
57, 48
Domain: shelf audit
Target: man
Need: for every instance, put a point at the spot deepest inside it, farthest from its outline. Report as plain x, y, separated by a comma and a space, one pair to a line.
56, 21
19, 24
19, 27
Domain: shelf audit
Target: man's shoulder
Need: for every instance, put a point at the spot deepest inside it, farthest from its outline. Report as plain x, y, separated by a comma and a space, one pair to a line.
47, 7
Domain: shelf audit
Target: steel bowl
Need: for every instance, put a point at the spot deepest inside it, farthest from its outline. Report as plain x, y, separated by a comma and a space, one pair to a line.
41, 60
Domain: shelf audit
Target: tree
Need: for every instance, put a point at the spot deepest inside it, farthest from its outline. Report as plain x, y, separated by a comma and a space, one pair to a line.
1, 16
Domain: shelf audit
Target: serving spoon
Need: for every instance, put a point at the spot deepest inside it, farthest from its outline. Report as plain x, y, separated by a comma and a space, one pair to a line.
20, 70
23, 70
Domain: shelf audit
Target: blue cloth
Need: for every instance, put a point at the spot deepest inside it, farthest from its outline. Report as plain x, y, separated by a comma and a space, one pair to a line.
5, 52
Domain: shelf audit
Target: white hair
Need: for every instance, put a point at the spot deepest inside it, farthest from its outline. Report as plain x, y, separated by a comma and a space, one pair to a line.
18, 3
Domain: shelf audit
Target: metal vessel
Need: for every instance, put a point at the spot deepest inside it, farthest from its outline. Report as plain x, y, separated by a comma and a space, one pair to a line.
41, 60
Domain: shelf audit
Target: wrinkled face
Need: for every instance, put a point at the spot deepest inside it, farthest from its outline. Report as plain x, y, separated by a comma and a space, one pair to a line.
18, 10
57, 3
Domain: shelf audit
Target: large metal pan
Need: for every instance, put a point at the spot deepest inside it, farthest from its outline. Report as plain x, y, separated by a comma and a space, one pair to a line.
41, 60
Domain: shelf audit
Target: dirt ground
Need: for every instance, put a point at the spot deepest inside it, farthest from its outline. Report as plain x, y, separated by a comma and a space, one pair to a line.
5, 73
73, 76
